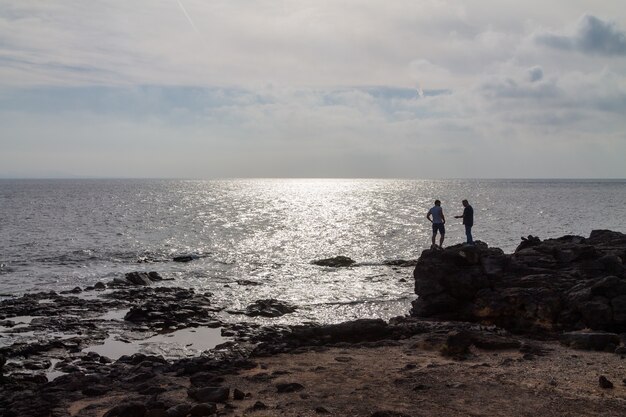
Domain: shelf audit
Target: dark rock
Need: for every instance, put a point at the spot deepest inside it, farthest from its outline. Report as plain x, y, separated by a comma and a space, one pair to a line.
138, 278
100, 286
304, 337
336, 262
205, 379
608, 286
358, 331
487, 341
155, 276
567, 283
179, 410
204, 409
587, 340
261, 377
289, 387
95, 390
185, 258
35, 365
156, 412
349, 331
138, 358
618, 307
3, 362
75, 290
259, 406
168, 308
150, 389
127, 410
140, 377
596, 313
238, 394
604, 382
209, 394
269, 308
457, 344
321, 410
248, 283
528, 242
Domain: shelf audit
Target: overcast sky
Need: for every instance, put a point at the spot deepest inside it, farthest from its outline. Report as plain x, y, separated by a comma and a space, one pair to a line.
313, 88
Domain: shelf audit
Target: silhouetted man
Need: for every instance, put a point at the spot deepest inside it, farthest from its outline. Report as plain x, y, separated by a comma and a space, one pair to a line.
468, 221
436, 217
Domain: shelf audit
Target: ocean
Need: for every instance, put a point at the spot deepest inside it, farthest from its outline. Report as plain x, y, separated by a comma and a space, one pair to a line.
59, 234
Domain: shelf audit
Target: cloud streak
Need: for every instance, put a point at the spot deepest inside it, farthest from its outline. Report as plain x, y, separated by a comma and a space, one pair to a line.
193, 25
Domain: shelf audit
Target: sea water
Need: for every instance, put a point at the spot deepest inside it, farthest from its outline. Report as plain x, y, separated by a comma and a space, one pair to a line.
59, 234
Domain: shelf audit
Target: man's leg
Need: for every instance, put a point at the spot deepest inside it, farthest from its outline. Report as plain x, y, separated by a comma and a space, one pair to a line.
442, 231
434, 235
468, 233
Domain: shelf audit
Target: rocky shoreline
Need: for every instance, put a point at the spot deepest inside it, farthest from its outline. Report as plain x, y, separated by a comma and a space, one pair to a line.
539, 331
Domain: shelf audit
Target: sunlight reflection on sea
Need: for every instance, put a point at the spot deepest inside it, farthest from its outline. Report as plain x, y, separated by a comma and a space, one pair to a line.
57, 234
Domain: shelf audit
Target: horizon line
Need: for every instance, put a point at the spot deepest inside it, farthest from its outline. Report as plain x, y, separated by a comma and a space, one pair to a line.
299, 178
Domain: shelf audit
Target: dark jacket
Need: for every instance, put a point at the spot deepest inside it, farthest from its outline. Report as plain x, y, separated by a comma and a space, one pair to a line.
468, 216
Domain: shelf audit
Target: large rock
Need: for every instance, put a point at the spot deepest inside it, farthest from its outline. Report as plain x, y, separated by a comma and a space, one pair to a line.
164, 307
210, 394
142, 278
587, 340
269, 308
336, 262
569, 283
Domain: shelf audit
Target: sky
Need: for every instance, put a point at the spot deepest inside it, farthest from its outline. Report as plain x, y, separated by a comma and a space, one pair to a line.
313, 88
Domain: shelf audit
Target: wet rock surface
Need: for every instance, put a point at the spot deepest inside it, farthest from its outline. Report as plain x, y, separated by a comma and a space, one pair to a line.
169, 308
46, 333
569, 283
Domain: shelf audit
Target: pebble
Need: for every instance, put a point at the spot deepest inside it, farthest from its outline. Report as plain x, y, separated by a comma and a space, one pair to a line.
604, 382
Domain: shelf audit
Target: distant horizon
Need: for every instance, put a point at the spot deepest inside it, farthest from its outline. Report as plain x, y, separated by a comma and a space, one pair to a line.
317, 178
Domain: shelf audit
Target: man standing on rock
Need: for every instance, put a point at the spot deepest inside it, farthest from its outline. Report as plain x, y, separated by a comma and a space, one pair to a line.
436, 217
468, 221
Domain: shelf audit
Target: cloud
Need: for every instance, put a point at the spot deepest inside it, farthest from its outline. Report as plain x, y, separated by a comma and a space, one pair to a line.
519, 84
428, 75
278, 131
535, 74
564, 108
592, 36
309, 87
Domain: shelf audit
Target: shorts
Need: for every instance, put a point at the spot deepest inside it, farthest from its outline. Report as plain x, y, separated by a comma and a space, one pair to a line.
439, 227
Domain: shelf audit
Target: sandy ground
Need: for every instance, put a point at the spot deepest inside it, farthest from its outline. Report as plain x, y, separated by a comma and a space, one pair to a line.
411, 378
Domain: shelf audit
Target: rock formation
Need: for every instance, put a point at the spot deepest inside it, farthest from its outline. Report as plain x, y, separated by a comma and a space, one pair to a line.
569, 283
